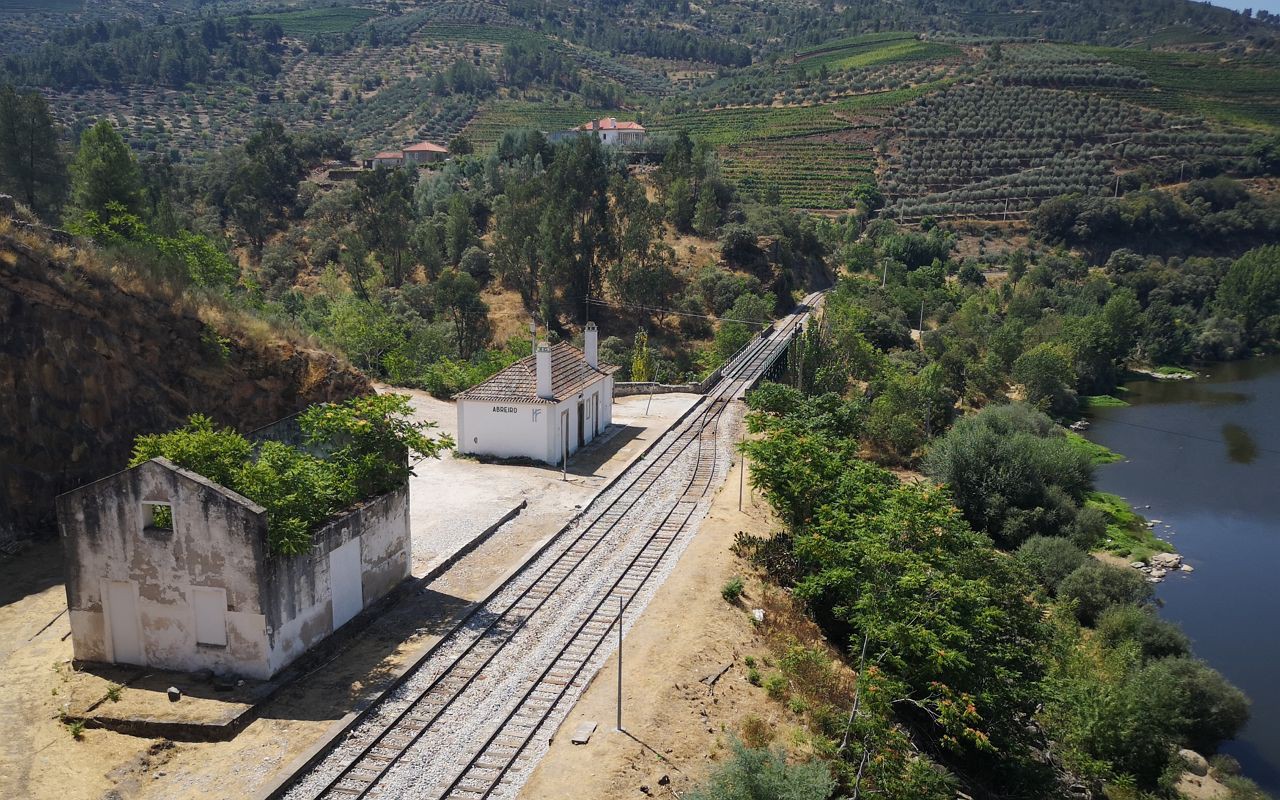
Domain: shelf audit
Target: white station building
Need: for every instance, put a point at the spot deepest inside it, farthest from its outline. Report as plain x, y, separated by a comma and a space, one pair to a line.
542, 407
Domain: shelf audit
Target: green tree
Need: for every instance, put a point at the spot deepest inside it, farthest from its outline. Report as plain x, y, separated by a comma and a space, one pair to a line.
457, 295
105, 172
1047, 377
386, 216
642, 359
1094, 587
32, 165
1012, 473
748, 314
706, 215
1250, 293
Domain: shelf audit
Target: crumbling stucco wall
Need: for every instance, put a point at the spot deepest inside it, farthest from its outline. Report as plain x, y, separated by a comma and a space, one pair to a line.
297, 591
218, 539
276, 607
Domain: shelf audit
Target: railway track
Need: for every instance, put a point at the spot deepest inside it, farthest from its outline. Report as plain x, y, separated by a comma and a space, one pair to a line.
526, 606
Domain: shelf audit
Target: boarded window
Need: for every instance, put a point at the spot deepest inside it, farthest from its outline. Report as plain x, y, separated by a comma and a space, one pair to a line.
210, 606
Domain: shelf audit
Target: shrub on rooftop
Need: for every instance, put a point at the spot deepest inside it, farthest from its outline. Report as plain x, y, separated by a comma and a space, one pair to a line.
369, 445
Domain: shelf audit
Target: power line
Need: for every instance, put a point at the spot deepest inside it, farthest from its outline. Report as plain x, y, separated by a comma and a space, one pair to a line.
656, 309
1183, 434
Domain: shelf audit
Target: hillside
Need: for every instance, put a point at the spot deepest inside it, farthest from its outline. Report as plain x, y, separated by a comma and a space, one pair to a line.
90, 357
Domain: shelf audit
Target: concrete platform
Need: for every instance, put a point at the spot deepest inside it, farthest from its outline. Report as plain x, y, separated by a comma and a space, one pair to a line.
457, 502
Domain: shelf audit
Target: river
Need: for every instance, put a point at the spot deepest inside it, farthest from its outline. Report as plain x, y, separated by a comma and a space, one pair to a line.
1205, 456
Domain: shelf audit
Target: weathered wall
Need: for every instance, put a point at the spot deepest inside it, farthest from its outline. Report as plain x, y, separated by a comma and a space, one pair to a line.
277, 606
296, 590
87, 363
218, 540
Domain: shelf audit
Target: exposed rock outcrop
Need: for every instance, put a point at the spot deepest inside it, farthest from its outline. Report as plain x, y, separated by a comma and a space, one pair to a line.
89, 360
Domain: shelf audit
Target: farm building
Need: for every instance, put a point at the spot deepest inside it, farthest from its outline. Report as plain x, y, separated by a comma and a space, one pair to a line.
543, 407
608, 130
167, 569
424, 153
390, 158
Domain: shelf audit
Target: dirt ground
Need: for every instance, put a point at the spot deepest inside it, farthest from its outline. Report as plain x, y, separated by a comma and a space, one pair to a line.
40, 758
676, 726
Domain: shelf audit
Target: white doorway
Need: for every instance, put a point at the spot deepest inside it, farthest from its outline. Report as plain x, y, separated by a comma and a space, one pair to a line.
347, 595
122, 617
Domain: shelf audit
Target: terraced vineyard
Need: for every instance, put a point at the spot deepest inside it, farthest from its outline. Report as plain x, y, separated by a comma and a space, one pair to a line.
1244, 91
812, 154
872, 49
808, 172
494, 119
318, 20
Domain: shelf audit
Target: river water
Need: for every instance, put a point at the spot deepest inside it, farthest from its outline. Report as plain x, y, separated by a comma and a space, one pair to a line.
1205, 457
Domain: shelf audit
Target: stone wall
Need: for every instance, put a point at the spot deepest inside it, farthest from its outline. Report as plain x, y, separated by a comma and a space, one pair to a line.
89, 361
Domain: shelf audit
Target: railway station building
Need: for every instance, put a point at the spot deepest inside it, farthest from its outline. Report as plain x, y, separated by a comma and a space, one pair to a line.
544, 407
198, 588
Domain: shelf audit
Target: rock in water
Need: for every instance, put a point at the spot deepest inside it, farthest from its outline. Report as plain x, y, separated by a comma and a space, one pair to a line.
175, 694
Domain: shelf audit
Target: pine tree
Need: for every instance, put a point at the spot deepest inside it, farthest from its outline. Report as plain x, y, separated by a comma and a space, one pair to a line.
104, 172
31, 160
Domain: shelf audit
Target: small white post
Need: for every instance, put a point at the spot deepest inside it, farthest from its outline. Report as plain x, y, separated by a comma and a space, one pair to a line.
742, 468
619, 719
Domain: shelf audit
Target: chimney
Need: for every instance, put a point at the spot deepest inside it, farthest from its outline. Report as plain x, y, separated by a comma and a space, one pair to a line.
544, 371
590, 347
613, 122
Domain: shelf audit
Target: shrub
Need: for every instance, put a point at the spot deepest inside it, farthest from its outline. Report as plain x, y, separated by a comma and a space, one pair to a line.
776, 687
1212, 710
1012, 472
1050, 559
732, 590
1155, 638
756, 732
1095, 587
758, 774
370, 440
753, 676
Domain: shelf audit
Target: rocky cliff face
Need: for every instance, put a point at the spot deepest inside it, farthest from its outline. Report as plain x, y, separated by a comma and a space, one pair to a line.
87, 363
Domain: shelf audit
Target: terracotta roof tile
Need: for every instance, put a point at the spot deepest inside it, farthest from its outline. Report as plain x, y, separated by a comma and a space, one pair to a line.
425, 147
612, 124
390, 154
518, 383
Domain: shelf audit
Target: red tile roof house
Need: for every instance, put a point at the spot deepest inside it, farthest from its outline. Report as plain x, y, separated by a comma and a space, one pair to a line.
608, 130
542, 407
390, 158
424, 153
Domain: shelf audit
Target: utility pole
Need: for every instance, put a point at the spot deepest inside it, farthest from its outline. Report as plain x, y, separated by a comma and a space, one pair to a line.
885, 277
1117, 194
619, 719
742, 467
922, 323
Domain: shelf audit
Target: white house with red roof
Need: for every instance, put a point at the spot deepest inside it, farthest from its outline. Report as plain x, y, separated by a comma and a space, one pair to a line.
414, 155
425, 153
609, 130
544, 407
389, 158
